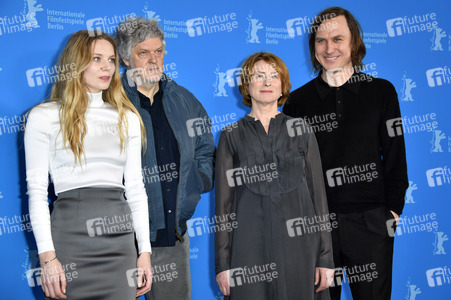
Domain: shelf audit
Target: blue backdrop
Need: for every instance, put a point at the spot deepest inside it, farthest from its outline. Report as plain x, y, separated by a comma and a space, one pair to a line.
408, 43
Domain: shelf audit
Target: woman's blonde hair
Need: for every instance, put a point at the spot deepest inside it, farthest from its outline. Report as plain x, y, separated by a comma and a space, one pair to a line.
72, 95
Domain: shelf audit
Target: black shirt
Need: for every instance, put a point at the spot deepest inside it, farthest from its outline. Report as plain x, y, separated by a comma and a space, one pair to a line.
168, 160
359, 133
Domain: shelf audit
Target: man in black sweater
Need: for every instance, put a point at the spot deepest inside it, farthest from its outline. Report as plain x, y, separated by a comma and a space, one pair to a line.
357, 122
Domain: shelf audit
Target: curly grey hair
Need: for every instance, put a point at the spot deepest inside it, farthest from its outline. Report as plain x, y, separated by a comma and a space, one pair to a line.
135, 30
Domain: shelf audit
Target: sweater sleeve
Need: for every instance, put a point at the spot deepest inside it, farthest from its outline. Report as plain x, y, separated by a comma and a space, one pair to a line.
134, 186
393, 152
37, 147
224, 197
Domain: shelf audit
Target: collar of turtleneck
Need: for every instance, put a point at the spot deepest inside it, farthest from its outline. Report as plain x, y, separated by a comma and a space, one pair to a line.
95, 99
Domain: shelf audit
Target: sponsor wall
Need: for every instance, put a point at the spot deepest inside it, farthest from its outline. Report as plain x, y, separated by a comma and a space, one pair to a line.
408, 43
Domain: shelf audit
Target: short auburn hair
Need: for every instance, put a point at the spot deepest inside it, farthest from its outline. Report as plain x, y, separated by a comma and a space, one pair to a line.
247, 70
358, 49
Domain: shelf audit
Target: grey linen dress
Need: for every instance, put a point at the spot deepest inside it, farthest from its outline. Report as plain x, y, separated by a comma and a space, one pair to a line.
266, 183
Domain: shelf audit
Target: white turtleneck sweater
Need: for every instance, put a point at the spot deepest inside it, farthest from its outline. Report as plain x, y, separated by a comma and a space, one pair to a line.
103, 165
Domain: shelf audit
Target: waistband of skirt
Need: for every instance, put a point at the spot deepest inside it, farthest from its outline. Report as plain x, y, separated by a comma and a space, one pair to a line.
89, 191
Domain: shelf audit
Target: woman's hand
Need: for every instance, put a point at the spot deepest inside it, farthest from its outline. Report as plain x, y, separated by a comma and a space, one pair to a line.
222, 279
324, 277
53, 278
144, 274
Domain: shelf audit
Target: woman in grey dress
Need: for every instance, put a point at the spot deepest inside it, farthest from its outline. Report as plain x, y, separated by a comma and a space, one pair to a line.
88, 136
269, 187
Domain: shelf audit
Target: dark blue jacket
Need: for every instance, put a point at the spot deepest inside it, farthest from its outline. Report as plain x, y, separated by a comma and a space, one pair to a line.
196, 152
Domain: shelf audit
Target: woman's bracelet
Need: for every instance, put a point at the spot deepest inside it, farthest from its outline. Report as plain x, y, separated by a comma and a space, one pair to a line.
47, 261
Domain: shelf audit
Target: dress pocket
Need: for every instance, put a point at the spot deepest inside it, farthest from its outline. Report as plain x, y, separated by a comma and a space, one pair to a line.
291, 171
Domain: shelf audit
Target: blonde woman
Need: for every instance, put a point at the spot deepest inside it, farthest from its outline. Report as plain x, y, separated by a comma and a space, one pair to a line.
89, 137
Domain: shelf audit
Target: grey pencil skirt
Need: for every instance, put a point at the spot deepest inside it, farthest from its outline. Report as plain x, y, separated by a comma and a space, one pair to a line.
92, 231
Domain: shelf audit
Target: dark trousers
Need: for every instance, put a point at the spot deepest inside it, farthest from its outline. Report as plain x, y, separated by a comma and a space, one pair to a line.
364, 249
171, 272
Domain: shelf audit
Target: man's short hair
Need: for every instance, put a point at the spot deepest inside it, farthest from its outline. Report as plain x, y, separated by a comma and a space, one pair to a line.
358, 49
135, 30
